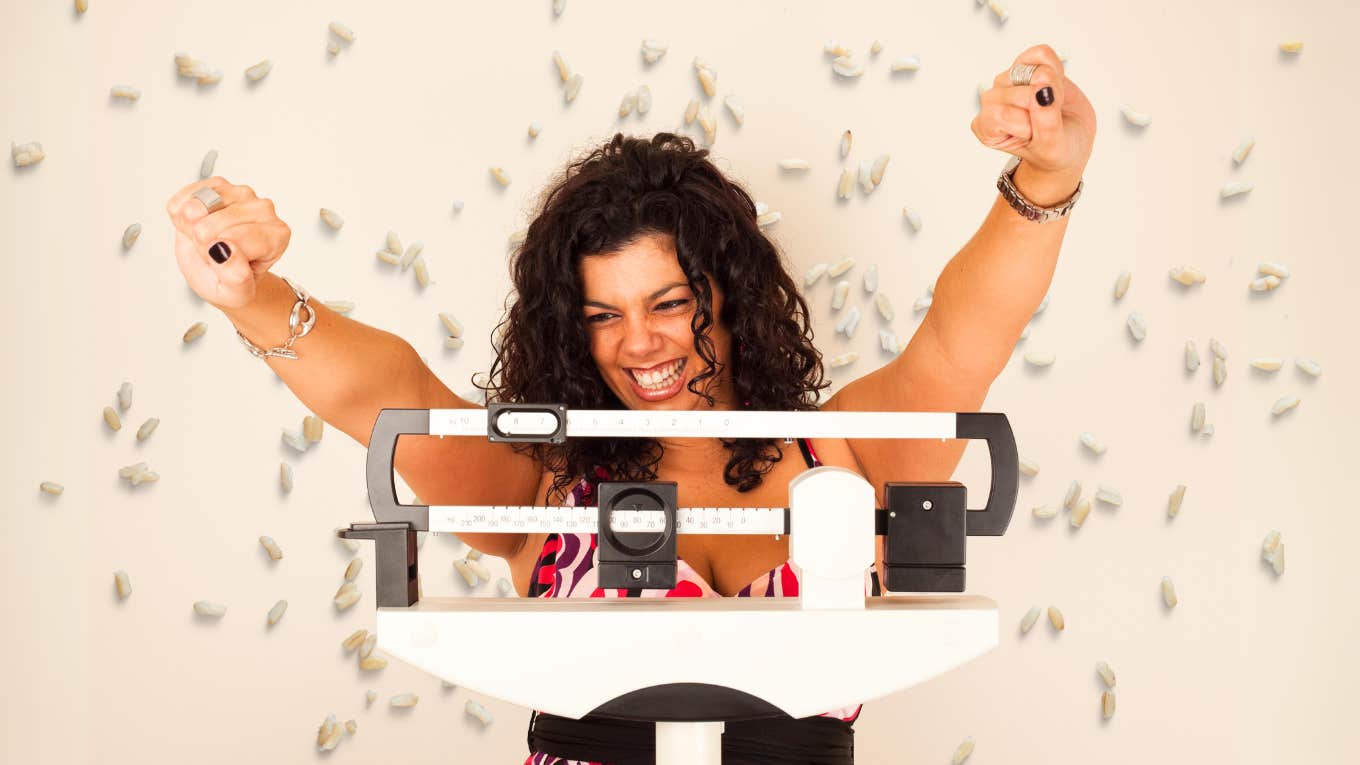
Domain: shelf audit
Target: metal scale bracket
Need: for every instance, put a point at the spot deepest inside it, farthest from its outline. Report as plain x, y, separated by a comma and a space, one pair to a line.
925, 524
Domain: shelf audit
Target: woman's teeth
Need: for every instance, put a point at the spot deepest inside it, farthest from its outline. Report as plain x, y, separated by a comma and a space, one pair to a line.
659, 379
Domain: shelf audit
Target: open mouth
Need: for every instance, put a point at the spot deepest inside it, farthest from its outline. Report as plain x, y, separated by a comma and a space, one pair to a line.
662, 381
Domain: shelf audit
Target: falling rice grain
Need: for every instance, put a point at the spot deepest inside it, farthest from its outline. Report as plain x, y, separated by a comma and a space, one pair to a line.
25, 154
353, 569
131, 470
126, 92
469, 576
209, 608
922, 303
121, 583
1029, 467
644, 99
1073, 494
1079, 513
1191, 356
1055, 618
1089, 441
844, 265
839, 294
963, 752
1135, 117
370, 696
884, 306
340, 306
347, 599
845, 184
312, 427
814, 274
880, 166
1106, 674
692, 110
367, 645
906, 64
1309, 366
502, 177
1272, 551
1220, 371
1031, 616
332, 219
342, 31
1197, 417
1243, 149
913, 218
653, 50
1234, 188
351, 727
352, 642
1137, 326
1292, 46
627, 104
195, 331
412, 252
1109, 496
734, 106
294, 439
848, 322
1284, 404
1268, 363
147, 428
51, 487
1173, 505
1187, 275
130, 235
404, 700
422, 272
563, 70
1217, 348
276, 613
257, 72
1264, 284
845, 359
707, 78
205, 168
1036, 359
847, 139
453, 343
847, 66
1107, 703
504, 587
328, 735
271, 547
478, 711
125, 396
1045, 512
286, 476
866, 181
111, 419
1273, 269
1169, 592
82, 6
1121, 284
793, 164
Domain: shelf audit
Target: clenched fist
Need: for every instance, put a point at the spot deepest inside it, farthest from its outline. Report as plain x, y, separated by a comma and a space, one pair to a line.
223, 254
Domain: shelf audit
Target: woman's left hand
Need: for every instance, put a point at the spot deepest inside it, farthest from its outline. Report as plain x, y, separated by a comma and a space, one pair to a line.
1054, 140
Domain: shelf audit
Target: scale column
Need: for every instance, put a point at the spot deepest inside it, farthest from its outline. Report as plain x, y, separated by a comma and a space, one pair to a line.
689, 743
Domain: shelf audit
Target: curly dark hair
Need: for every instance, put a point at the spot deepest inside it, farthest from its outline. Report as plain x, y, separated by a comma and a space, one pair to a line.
616, 193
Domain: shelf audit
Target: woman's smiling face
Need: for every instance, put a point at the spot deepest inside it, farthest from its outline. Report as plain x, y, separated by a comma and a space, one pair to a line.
637, 313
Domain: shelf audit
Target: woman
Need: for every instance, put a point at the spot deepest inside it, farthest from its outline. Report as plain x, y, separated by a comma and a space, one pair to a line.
644, 282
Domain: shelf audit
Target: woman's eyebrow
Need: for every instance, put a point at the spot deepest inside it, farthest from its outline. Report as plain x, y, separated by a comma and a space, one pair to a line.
653, 296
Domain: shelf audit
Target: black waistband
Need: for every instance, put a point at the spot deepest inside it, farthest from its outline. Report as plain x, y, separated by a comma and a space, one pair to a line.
772, 741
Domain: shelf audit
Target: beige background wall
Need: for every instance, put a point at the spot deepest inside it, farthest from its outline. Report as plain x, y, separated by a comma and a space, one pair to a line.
1249, 668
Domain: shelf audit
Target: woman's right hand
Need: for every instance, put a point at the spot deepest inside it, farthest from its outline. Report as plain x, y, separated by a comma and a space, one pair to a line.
251, 236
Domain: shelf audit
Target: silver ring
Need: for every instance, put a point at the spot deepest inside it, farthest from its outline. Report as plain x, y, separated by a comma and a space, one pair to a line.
210, 199
1021, 74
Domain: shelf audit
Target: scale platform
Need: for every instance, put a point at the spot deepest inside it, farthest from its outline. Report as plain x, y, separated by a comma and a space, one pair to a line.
728, 659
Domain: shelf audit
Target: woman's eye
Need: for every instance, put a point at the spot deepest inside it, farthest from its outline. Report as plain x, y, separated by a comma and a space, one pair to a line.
599, 317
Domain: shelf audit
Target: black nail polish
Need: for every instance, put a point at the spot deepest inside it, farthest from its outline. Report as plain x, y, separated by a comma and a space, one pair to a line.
220, 252
1045, 95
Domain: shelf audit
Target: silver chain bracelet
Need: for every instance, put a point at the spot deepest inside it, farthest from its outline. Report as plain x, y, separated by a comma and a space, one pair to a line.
297, 327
